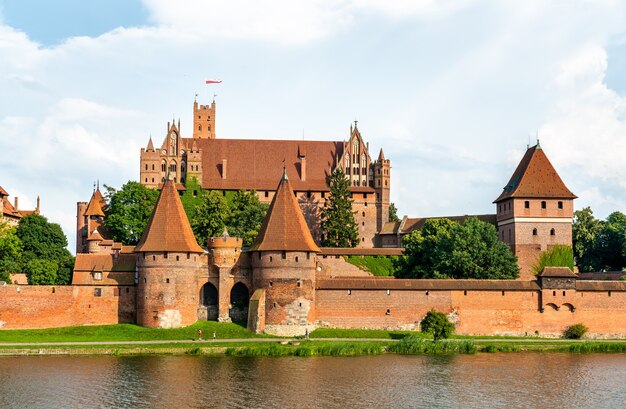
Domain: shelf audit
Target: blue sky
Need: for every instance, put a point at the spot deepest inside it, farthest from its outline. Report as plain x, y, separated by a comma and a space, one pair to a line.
452, 90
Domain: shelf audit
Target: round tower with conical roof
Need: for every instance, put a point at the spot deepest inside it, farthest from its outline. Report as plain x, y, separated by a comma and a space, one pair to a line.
284, 261
169, 263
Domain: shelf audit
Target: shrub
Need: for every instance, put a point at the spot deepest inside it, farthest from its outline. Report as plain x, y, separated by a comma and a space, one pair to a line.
557, 256
437, 324
575, 331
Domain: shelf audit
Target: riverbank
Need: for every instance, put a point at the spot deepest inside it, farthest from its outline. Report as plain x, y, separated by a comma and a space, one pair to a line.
235, 340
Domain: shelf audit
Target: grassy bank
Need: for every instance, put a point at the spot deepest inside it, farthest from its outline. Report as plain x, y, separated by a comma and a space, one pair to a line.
312, 348
127, 332
380, 266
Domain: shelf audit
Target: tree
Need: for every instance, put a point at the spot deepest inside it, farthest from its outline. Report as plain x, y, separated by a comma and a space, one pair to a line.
210, 215
192, 196
246, 216
393, 213
437, 324
127, 211
611, 243
585, 231
447, 249
337, 218
556, 256
10, 252
41, 272
45, 241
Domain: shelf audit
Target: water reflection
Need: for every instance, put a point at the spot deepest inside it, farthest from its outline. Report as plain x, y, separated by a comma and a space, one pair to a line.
483, 380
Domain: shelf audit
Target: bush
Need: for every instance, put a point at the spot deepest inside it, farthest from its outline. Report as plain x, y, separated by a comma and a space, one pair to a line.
557, 256
575, 331
437, 324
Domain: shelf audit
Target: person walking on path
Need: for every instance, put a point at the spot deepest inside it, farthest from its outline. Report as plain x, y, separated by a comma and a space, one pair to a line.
306, 333
213, 335
199, 335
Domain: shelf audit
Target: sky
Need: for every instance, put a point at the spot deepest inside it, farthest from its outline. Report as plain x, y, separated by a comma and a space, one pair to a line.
453, 91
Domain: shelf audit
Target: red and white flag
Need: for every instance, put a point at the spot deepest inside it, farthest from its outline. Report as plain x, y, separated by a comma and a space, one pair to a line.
213, 81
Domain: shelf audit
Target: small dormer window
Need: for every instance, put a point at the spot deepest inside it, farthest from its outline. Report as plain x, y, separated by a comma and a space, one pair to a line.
97, 275
543, 204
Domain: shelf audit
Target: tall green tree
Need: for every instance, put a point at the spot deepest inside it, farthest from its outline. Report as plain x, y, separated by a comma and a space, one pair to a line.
585, 232
447, 249
41, 272
611, 243
127, 211
393, 213
46, 242
246, 216
210, 215
11, 250
338, 226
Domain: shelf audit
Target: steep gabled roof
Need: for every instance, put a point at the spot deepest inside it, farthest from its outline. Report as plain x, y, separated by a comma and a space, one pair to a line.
3, 192
94, 208
150, 146
168, 228
284, 227
535, 177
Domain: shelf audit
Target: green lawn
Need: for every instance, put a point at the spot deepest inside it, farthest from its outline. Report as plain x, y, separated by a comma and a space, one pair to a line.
380, 266
361, 333
127, 332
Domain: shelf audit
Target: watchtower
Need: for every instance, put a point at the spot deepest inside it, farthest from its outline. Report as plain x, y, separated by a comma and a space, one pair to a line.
204, 120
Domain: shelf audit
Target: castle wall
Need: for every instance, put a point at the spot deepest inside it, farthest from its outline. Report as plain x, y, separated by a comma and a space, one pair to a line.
475, 312
28, 307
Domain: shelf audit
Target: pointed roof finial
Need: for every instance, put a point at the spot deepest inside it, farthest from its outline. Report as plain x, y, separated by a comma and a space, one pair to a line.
355, 124
285, 170
98, 184
195, 98
94, 185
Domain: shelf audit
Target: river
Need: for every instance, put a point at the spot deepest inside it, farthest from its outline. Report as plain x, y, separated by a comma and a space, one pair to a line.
505, 380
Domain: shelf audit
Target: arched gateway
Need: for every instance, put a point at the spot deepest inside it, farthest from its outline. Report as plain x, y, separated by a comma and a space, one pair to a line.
208, 302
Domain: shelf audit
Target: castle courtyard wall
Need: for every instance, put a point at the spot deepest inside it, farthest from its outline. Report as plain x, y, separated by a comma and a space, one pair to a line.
30, 307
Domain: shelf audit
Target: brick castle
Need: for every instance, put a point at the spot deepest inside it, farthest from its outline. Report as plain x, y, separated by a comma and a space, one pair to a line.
285, 283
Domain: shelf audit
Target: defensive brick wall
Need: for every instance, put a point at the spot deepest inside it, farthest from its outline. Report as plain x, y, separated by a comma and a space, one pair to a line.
27, 307
478, 308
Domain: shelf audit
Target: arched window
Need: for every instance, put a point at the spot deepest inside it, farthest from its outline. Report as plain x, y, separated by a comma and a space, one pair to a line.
199, 127
552, 232
153, 166
363, 161
173, 166
163, 166
534, 232
347, 161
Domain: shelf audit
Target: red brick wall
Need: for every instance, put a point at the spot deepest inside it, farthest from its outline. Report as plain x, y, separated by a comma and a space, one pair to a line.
475, 312
23, 307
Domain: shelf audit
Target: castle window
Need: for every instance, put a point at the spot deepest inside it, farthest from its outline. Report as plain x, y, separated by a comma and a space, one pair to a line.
386, 182
97, 292
465, 292
297, 261
283, 255
152, 180
427, 292
299, 283
146, 166
267, 194
503, 293
560, 205
362, 223
363, 214
172, 166
534, 232
167, 280
270, 262
145, 280
323, 195
349, 292
554, 293
563, 293
543, 204
363, 183
146, 180
347, 171
363, 171
153, 166
199, 127
165, 255
127, 290
365, 202
552, 232
308, 255
97, 275
609, 293
388, 312
177, 258
163, 166
271, 284
188, 256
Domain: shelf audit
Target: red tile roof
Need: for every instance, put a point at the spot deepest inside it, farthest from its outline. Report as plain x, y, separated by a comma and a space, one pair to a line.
284, 227
535, 177
3, 192
94, 208
256, 164
105, 262
168, 228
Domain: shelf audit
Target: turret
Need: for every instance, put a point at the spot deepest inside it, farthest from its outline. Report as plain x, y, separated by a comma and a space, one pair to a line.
169, 263
224, 253
284, 261
382, 186
204, 121
93, 242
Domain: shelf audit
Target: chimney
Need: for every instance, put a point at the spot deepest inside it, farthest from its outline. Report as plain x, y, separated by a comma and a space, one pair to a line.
38, 203
303, 168
15, 204
224, 161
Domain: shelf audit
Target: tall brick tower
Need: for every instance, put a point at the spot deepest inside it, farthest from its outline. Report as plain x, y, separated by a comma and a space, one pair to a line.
382, 186
284, 263
204, 120
89, 217
535, 210
169, 263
